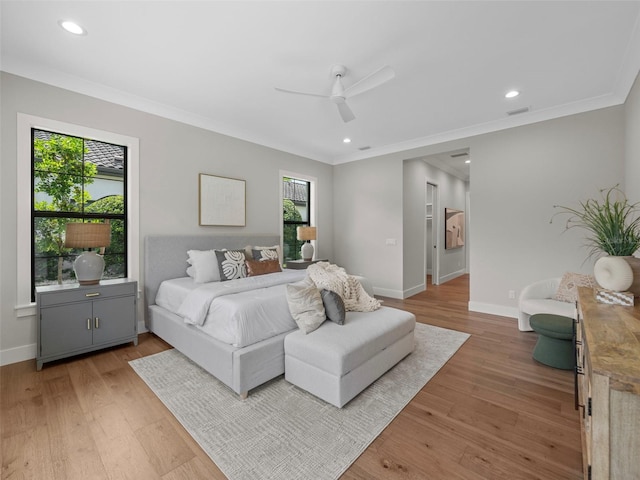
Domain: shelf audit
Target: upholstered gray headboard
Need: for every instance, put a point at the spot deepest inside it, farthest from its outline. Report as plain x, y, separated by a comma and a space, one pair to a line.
165, 256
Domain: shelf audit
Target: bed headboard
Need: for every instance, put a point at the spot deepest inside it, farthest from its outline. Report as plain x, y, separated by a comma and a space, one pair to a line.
165, 256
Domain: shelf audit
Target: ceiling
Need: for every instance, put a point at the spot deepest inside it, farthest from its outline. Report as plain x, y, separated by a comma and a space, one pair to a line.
215, 64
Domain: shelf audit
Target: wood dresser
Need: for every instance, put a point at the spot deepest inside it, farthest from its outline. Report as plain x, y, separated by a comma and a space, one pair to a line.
608, 387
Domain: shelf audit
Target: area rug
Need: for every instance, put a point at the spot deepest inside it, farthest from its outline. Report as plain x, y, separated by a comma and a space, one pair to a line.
280, 431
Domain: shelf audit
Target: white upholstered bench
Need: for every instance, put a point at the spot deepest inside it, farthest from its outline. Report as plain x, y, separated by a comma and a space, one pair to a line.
336, 362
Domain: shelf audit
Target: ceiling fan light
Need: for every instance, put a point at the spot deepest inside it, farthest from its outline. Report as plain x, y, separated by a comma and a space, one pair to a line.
72, 27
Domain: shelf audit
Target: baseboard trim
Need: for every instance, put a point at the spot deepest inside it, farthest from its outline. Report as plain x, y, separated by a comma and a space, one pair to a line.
17, 354
451, 276
493, 309
386, 292
414, 291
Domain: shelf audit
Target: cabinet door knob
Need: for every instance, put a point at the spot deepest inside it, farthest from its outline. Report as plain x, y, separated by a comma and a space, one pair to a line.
97, 322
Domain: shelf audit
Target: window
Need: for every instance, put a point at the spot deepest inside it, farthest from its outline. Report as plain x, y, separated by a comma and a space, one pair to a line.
128, 187
296, 212
75, 180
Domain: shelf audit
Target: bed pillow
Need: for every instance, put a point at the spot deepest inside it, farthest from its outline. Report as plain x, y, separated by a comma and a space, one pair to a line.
191, 270
231, 264
263, 254
333, 306
262, 267
205, 266
250, 250
305, 305
568, 288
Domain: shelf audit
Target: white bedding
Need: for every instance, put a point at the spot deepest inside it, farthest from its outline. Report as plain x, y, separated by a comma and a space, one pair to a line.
238, 312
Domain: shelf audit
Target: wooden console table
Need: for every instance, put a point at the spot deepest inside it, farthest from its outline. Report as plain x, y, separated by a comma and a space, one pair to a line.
608, 387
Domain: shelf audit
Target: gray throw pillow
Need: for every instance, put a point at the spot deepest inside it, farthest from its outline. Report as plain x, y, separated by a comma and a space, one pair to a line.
231, 263
305, 305
333, 306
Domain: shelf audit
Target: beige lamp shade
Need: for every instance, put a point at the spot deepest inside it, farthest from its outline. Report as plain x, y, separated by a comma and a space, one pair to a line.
87, 235
306, 233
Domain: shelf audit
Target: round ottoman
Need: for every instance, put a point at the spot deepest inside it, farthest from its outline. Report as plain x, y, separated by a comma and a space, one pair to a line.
555, 340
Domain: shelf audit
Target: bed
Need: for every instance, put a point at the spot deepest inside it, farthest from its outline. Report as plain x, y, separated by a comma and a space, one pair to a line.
242, 366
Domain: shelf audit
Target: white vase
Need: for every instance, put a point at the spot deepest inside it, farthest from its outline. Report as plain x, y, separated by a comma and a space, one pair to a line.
613, 273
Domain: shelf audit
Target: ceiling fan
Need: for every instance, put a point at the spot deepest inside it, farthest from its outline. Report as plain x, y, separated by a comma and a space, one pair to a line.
340, 95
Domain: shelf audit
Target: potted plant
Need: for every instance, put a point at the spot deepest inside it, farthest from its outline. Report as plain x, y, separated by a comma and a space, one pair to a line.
613, 226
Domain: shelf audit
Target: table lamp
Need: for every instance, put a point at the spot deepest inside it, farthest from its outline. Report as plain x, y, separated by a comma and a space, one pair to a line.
306, 234
89, 266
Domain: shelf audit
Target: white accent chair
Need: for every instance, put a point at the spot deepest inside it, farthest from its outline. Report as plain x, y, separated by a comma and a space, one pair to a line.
538, 298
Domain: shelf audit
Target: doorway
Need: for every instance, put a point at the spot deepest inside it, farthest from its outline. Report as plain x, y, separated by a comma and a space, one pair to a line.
432, 264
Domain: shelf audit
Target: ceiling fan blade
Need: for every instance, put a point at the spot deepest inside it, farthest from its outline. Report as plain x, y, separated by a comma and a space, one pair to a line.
345, 112
380, 76
301, 93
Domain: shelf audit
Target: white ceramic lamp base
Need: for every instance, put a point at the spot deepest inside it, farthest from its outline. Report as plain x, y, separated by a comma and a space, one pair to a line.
88, 268
307, 251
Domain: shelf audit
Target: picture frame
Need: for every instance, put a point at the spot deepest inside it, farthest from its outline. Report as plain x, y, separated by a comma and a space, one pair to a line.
454, 228
222, 201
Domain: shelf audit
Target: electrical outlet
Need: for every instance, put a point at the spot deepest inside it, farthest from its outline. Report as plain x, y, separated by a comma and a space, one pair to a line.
512, 294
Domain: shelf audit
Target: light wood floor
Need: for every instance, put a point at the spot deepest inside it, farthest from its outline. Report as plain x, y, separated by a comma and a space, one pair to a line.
490, 413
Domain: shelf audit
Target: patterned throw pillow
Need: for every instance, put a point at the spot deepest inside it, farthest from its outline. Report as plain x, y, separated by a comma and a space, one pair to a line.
265, 254
232, 264
262, 267
568, 288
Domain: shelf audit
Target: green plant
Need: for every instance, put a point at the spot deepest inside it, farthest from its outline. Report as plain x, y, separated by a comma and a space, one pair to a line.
612, 222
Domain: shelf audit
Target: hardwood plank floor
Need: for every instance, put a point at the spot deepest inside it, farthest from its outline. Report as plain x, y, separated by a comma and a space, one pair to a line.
491, 412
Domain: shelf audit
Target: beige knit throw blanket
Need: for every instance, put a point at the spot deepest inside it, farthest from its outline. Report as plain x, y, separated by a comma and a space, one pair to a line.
332, 277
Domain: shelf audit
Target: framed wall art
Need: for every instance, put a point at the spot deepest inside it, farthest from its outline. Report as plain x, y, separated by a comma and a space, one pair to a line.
454, 228
222, 201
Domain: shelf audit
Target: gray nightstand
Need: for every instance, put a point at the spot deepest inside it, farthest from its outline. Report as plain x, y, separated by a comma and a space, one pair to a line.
302, 264
73, 319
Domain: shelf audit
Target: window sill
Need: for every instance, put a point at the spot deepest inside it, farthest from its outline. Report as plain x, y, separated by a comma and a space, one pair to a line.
28, 310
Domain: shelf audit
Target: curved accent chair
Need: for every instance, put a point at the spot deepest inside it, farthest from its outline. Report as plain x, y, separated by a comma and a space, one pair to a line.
538, 298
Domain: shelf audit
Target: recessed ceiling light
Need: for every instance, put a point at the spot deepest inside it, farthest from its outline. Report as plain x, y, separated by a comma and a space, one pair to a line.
512, 94
346, 140
72, 27
467, 161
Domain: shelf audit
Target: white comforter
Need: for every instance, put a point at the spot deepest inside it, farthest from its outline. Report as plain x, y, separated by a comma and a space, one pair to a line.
238, 312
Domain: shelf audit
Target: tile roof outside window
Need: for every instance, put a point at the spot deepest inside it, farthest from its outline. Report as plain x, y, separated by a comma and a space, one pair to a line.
103, 155
297, 192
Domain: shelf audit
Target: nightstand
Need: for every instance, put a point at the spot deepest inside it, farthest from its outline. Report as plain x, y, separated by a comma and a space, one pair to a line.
302, 264
73, 319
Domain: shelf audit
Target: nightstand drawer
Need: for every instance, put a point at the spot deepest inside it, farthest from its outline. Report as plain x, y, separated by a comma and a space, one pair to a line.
54, 296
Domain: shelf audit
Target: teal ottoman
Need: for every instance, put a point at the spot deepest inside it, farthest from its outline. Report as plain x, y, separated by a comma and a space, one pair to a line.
555, 340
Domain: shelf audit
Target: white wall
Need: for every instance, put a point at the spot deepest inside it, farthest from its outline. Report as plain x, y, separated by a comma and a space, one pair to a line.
367, 212
517, 175
171, 156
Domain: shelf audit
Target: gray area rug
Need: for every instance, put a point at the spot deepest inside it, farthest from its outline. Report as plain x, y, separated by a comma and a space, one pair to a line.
280, 431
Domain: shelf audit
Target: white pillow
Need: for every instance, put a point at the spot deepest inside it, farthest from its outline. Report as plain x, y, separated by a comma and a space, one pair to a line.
191, 271
305, 305
205, 264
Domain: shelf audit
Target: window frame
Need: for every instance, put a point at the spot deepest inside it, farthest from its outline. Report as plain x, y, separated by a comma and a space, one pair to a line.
313, 187
83, 215
25, 123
